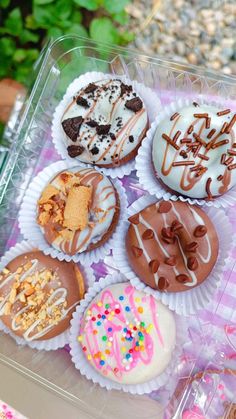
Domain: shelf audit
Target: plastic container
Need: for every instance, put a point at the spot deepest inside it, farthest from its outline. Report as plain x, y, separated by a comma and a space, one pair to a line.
211, 343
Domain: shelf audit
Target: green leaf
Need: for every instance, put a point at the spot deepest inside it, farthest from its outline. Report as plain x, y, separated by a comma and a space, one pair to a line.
28, 36
13, 22
103, 30
19, 55
40, 2
30, 22
4, 3
122, 17
7, 47
50, 14
76, 16
77, 29
126, 37
54, 32
88, 4
115, 6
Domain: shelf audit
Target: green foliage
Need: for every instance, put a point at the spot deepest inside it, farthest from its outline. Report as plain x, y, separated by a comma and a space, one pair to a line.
23, 29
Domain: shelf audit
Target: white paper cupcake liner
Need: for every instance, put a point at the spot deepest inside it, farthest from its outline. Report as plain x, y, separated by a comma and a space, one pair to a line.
91, 373
186, 302
58, 341
31, 230
150, 98
145, 169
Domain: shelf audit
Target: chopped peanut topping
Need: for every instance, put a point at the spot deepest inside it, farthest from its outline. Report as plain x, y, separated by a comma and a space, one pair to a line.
47, 194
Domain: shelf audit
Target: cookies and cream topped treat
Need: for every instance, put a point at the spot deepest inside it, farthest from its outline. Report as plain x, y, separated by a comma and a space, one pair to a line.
105, 123
38, 295
171, 246
127, 335
78, 210
194, 151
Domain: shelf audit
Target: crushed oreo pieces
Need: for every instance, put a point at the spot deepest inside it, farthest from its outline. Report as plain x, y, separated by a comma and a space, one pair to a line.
103, 129
91, 123
90, 88
124, 88
131, 139
71, 126
75, 150
82, 102
94, 150
134, 104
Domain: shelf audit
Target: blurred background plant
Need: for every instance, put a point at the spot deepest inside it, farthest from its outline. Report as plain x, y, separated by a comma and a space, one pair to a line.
25, 26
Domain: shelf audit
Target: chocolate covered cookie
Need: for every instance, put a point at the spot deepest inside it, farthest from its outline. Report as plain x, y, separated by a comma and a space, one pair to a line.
38, 295
78, 210
105, 123
194, 151
172, 246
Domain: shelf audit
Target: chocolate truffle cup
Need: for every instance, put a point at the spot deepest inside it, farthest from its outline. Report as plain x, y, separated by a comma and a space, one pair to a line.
32, 231
185, 302
147, 95
60, 340
147, 175
91, 373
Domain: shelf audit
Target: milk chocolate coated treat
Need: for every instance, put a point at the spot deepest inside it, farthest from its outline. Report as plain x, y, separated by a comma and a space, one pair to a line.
78, 210
38, 295
105, 123
172, 246
194, 151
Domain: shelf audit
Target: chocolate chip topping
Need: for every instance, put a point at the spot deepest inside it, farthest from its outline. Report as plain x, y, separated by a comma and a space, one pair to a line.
91, 123
103, 129
182, 278
90, 88
124, 88
71, 126
200, 231
171, 261
134, 104
94, 150
154, 265
176, 225
164, 207
192, 263
137, 252
113, 137
191, 247
148, 234
134, 219
75, 150
82, 102
163, 283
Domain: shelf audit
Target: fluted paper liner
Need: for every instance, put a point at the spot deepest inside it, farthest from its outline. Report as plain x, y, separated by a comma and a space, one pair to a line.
82, 364
49, 344
32, 231
146, 172
185, 302
151, 101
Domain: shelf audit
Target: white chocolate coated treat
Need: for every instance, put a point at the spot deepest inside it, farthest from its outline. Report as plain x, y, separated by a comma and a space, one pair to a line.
127, 335
194, 151
104, 130
101, 210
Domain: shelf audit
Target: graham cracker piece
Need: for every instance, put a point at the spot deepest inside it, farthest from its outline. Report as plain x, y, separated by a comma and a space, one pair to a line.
48, 193
77, 207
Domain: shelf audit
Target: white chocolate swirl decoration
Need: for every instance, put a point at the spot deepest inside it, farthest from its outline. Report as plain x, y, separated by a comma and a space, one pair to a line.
104, 123
34, 300
171, 246
127, 335
194, 151
76, 209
